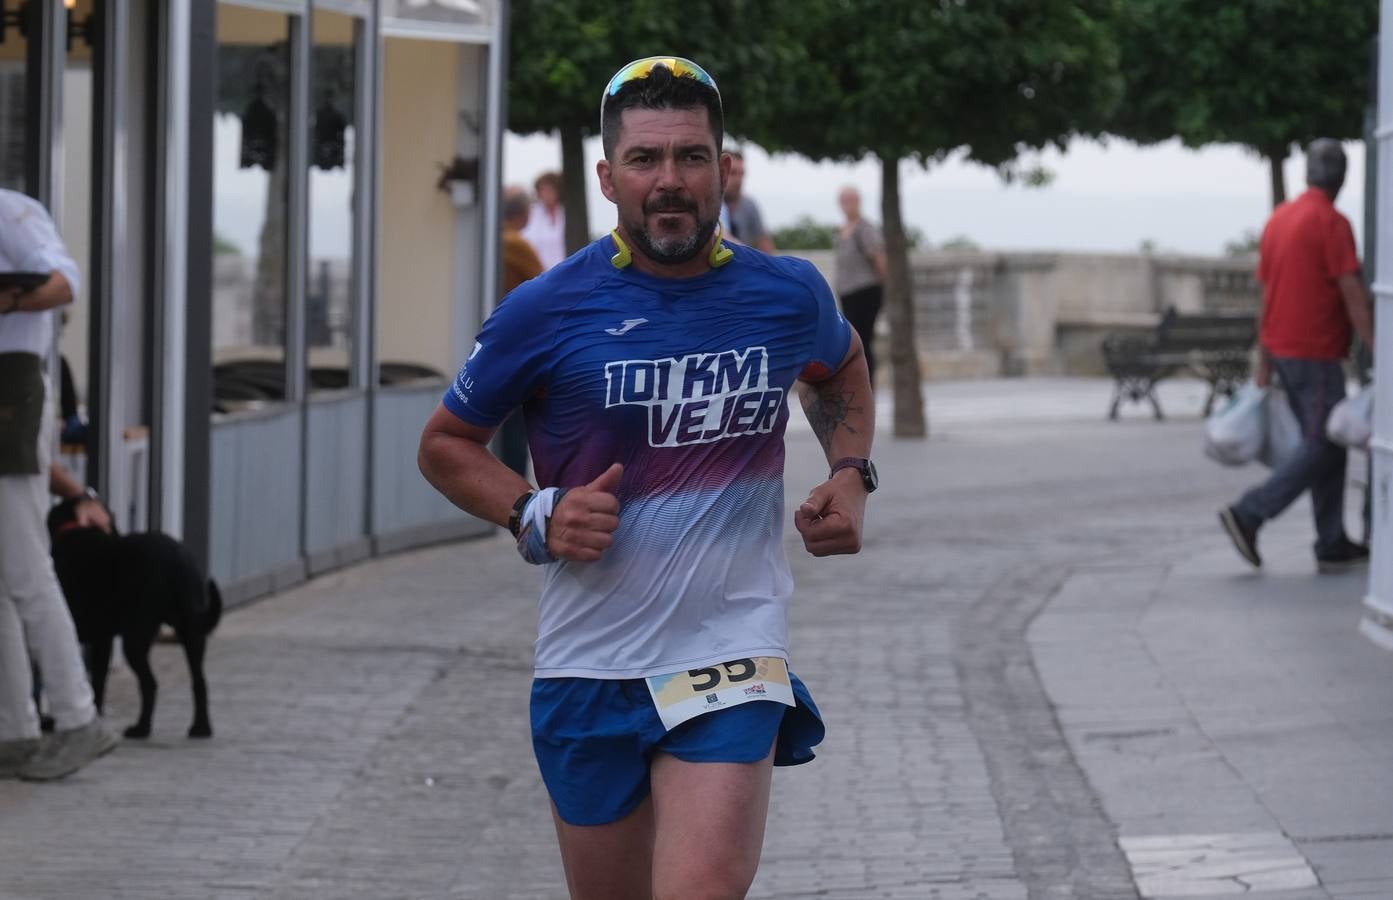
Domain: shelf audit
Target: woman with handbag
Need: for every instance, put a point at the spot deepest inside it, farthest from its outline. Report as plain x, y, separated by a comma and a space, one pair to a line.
860, 275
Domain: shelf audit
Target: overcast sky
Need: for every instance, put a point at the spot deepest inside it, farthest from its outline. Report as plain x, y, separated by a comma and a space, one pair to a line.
1104, 197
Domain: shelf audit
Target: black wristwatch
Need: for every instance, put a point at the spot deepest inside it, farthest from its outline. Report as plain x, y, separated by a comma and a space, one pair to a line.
869, 479
515, 517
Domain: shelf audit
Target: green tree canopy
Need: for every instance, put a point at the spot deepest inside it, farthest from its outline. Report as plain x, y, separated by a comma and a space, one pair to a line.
1246, 244
809, 234
918, 80
805, 234
960, 242
1265, 74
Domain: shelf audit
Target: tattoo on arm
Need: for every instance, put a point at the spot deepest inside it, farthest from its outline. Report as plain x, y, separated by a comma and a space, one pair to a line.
827, 407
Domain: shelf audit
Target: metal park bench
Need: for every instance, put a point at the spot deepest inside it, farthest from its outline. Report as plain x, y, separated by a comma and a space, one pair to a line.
1215, 347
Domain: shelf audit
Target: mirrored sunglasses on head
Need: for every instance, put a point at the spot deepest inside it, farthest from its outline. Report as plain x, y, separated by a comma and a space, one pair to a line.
642, 68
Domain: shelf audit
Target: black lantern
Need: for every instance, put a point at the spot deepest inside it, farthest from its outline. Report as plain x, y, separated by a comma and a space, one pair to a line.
14, 18
18, 18
330, 127
260, 133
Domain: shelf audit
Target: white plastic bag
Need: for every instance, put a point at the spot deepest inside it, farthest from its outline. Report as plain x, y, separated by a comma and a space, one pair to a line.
1236, 433
1284, 436
1351, 422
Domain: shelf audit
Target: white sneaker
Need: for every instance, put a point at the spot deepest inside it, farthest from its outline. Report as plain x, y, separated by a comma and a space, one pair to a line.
64, 752
14, 754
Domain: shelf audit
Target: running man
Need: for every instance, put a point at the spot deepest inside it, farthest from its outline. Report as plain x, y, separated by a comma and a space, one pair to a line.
654, 369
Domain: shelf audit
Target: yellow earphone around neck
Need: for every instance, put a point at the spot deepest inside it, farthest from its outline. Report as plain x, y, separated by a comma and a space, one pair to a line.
720, 253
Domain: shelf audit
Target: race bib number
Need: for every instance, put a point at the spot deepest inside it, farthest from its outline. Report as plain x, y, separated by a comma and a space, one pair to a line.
686, 695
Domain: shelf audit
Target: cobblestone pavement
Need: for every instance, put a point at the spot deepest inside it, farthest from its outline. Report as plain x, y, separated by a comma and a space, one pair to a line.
1044, 647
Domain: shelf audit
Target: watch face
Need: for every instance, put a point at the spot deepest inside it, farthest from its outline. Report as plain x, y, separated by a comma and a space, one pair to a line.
870, 476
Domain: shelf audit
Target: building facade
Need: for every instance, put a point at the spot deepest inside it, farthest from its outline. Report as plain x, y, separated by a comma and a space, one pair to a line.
285, 214
1378, 607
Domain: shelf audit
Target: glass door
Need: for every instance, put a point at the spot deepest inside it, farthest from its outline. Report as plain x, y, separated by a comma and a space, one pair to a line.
79, 177
336, 424
17, 138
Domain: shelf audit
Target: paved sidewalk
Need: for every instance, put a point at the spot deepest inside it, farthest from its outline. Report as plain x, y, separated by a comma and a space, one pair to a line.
371, 735
1214, 708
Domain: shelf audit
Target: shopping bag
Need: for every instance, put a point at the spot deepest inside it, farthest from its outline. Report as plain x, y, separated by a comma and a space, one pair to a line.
1236, 433
1284, 437
1351, 422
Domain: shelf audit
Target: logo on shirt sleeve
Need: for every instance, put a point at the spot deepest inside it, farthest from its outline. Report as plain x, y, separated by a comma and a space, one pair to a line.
699, 398
463, 384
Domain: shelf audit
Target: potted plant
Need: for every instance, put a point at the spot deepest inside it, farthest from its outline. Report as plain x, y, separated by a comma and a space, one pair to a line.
458, 179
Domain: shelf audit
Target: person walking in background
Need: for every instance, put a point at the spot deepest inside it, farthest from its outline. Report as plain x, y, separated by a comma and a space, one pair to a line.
33, 613
740, 216
520, 263
546, 225
1313, 297
860, 275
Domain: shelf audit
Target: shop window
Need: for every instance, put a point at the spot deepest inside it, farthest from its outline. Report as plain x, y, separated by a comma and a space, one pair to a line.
12, 131
15, 115
251, 130
331, 286
79, 172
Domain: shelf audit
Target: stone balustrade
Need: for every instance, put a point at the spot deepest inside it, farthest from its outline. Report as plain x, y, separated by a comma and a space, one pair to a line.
982, 314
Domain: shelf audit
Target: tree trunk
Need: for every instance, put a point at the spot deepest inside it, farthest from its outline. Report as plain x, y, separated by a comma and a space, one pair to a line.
904, 357
1276, 157
573, 181
268, 291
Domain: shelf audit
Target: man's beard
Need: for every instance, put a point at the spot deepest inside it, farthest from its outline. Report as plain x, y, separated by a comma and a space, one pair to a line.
672, 251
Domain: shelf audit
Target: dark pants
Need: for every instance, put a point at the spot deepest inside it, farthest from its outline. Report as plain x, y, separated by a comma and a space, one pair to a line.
1313, 388
861, 309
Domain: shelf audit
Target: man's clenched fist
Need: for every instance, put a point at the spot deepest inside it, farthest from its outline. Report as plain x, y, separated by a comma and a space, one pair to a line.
583, 523
830, 519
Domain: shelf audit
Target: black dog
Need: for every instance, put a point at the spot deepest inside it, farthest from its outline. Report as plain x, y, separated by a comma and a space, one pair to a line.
129, 585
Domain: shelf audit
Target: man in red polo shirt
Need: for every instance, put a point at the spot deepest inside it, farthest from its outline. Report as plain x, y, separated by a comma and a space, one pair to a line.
1313, 298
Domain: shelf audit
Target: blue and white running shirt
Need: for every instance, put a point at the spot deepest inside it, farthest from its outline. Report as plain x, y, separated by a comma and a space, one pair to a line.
685, 382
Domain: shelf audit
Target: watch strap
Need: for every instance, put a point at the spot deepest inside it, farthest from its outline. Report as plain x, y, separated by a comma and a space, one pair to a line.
859, 463
515, 517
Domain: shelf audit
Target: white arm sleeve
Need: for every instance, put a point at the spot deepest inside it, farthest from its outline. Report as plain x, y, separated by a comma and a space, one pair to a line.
31, 240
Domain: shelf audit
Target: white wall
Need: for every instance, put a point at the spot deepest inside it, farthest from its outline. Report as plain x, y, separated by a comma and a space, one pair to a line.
417, 224
1378, 622
75, 218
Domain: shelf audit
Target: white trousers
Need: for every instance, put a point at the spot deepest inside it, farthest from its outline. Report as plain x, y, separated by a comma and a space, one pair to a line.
34, 618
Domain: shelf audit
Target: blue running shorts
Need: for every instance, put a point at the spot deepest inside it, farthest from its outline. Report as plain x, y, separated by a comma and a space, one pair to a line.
594, 740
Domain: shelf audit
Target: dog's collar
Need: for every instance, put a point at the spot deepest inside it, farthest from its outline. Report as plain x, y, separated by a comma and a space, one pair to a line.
68, 526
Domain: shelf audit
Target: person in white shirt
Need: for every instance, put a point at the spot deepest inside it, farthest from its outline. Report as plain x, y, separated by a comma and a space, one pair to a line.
34, 617
546, 226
